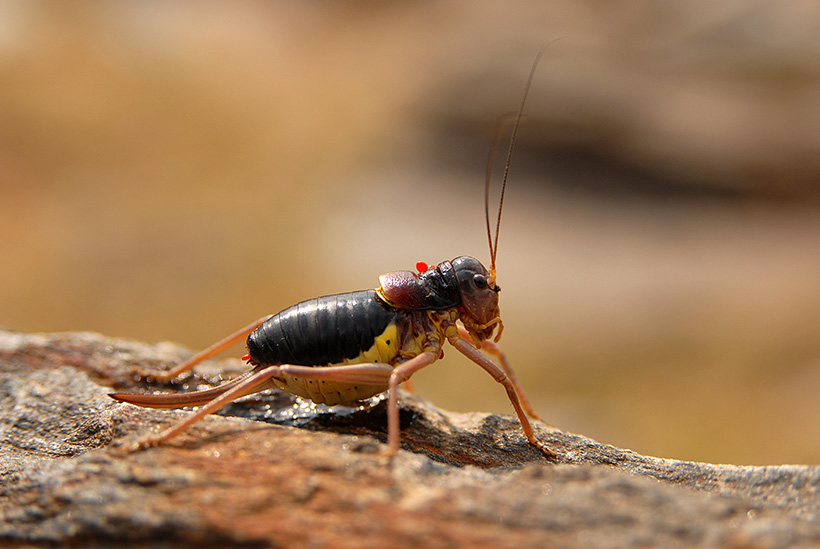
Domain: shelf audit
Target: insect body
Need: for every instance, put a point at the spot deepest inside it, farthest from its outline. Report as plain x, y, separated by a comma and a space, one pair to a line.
345, 348
408, 314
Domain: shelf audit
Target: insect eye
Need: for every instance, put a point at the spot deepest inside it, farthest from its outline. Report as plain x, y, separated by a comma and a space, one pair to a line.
480, 282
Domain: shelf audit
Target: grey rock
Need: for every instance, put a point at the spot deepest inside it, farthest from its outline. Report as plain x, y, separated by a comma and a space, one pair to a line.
274, 471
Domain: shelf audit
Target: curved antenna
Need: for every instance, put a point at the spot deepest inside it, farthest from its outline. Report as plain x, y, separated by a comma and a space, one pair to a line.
489, 177
491, 162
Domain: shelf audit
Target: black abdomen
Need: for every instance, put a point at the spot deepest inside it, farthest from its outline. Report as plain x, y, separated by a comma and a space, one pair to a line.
323, 330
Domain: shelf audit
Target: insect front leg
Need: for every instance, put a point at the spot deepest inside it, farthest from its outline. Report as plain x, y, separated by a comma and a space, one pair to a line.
493, 348
205, 354
501, 377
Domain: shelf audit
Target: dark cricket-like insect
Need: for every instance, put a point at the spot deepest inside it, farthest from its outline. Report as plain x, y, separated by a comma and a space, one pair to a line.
346, 348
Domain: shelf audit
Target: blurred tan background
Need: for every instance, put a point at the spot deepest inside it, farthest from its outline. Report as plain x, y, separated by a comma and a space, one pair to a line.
174, 170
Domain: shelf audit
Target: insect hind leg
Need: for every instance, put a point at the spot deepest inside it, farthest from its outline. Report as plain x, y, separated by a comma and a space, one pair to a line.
366, 374
252, 383
205, 354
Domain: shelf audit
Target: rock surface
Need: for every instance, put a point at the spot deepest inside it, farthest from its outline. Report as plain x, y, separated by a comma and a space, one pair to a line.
283, 473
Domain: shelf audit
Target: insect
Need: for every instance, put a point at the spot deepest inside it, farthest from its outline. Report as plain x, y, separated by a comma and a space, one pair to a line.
346, 348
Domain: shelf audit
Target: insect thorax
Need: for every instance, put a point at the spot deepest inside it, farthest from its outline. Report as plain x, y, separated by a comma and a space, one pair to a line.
425, 331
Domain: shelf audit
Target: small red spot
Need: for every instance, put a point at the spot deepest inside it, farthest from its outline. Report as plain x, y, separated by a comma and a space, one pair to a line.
441, 355
246, 358
421, 266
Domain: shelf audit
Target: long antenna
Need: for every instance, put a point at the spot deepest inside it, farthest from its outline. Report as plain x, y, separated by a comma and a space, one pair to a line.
491, 163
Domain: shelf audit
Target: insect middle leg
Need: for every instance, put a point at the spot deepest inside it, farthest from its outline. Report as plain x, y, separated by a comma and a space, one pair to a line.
375, 374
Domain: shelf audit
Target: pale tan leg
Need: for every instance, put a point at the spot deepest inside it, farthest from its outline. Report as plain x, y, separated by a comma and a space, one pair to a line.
501, 377
372, 373
254, 382
365, 374
214, 349
400, 373
493, 348
338, 373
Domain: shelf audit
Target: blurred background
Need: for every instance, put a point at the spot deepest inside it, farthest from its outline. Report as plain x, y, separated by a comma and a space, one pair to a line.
175, 170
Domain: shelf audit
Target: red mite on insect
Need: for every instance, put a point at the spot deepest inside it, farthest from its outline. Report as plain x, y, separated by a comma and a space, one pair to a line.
346, 348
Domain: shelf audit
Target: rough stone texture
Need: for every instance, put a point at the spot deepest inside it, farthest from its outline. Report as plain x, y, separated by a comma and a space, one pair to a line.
289, 474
